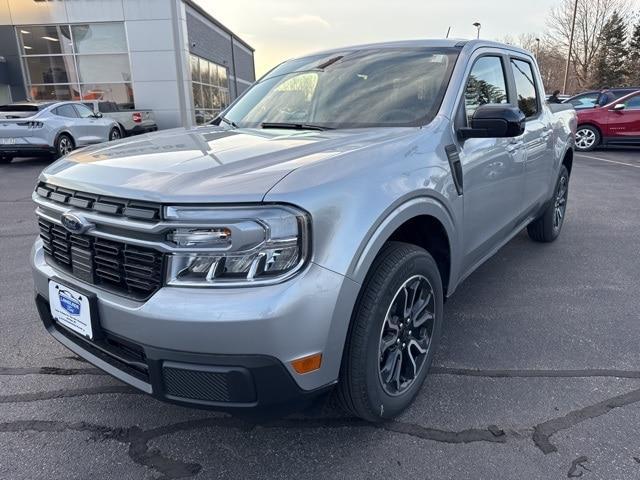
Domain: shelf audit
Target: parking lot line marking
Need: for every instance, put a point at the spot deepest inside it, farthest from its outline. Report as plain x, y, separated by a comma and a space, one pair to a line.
607, 160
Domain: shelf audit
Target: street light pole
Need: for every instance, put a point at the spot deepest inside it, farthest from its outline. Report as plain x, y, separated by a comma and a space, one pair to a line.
477, 25
566, 70
537, 48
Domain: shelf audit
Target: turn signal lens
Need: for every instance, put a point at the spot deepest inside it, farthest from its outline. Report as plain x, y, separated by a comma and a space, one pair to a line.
307, 364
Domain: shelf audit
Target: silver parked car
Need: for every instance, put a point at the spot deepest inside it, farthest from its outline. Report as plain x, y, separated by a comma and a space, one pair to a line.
51, 128
311, 237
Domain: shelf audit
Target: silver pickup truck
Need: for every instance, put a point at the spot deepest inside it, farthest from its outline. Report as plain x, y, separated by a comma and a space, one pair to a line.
130, 121
307, 242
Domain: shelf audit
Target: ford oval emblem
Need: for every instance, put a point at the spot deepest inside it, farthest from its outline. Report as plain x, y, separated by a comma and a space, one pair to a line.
75, 223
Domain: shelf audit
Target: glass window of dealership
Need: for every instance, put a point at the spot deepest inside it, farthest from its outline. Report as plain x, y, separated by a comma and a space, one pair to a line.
110, 55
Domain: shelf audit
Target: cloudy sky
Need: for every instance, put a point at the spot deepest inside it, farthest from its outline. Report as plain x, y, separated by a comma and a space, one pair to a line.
279, 29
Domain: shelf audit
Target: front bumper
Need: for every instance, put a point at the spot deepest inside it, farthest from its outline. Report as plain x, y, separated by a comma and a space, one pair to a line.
220, 348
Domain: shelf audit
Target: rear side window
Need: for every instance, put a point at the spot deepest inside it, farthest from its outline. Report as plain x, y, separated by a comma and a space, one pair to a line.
525, 87
66, 111
585, 101
486, 85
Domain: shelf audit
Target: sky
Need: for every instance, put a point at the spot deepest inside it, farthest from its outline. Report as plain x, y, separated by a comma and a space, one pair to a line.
281, 29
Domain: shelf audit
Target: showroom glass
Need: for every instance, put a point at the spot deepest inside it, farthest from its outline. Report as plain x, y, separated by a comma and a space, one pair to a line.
366, 88
77, 62
210, 88
487, 84
525, 87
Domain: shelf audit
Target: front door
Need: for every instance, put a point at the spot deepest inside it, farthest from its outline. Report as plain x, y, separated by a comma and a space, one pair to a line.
93, 129
493, 168
624, 125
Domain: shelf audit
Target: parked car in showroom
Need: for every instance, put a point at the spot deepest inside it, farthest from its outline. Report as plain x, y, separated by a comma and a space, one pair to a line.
131, 121
30, 129
307, 241
595, 98
617, 123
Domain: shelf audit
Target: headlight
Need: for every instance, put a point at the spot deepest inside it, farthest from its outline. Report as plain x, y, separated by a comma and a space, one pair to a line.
236, 246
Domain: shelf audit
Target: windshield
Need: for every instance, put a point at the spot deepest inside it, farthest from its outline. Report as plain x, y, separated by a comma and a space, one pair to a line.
362, 88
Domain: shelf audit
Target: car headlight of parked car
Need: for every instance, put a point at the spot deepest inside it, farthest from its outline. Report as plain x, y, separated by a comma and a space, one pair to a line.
236, 246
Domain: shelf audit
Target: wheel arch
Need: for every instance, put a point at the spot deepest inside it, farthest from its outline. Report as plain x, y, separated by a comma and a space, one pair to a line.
67, 133
423, 222
567, 160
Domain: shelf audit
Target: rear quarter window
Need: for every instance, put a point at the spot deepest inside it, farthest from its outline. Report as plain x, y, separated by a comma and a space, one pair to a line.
528, 99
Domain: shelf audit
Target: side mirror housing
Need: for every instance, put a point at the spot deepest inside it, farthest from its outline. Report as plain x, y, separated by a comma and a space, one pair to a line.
495, 121
618, 106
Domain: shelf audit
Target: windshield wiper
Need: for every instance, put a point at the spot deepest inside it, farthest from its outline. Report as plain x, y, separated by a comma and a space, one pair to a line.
229, 122
294, 126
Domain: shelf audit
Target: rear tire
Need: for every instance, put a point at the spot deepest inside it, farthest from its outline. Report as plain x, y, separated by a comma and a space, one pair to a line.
378, 379
587, 138
547, 227
64, 145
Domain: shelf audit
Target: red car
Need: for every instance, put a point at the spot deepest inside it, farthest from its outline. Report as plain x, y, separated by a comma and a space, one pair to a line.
617, 123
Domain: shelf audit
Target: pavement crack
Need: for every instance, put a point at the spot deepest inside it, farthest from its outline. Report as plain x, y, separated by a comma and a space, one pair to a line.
470, 372
578, 467
543, 432
67, 393
49, 371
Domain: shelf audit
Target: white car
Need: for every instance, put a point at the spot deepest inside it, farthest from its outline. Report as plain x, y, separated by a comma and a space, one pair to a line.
51, 128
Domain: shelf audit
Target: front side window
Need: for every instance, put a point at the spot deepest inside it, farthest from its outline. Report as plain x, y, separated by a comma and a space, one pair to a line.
525, 87
362, 88
83, 111
486, 85
633, 103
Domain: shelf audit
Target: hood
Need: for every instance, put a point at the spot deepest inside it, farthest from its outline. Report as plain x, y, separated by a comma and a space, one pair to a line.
205, 164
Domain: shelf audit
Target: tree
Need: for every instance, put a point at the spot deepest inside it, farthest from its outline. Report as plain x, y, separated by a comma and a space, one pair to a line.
633, 63
611, 62
591, 17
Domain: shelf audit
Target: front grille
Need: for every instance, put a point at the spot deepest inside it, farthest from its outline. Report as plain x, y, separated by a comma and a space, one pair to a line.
196, 384
119, 267
99, 203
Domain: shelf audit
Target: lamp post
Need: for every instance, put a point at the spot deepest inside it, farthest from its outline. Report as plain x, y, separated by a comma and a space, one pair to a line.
566, 69
477, 25
537, 48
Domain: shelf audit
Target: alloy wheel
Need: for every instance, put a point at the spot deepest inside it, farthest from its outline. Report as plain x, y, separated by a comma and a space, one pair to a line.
115, 134
405, 337
585, 138
64, 146
560, 203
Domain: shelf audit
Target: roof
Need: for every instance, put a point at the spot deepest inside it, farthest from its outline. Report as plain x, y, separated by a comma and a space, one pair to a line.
434, 43
192, 4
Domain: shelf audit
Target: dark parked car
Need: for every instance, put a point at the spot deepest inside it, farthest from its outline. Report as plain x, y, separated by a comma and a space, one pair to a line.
598, 98
617, 122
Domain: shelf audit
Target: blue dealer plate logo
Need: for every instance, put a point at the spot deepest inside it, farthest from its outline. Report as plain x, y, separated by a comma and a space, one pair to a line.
70, 304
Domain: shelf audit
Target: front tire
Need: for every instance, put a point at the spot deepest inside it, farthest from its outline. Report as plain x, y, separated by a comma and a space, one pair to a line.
547, 227
115, 134
587, 138
395, 330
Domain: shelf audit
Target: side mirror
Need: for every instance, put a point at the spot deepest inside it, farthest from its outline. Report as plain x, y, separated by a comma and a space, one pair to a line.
97, 115
494, 121
618, 106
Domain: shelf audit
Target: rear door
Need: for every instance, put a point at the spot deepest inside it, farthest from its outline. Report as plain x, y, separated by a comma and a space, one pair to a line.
538, 132
624, 125
492, 168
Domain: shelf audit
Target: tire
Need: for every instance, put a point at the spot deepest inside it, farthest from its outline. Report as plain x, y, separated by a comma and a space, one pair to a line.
4, 160
115, 134
587, 138
64, 145
547, 227
363, 389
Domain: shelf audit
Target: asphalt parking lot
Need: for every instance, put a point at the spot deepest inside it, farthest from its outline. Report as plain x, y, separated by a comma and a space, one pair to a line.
537, 375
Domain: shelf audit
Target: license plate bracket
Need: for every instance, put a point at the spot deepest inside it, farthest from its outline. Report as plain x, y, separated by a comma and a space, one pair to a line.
74, 309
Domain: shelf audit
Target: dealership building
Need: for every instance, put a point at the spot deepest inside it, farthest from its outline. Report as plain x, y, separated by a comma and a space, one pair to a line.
169, 56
